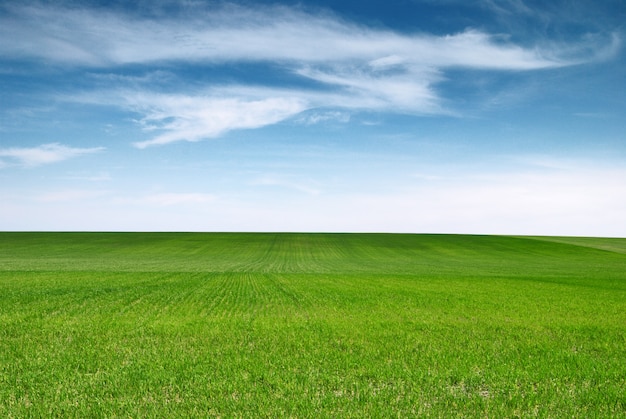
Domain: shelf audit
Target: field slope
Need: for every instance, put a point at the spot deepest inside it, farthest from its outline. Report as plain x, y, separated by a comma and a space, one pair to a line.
311, 325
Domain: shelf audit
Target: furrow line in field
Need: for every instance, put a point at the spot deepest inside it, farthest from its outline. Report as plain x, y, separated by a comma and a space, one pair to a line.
212, 296
215, 308
231, 285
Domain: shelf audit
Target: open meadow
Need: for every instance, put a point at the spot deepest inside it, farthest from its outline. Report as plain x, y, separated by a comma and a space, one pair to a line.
311, 325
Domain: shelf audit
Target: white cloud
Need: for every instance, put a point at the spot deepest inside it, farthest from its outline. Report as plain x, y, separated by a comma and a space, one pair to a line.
594, 115
193, 118
316, 117
44, 154
358, 89
97, 38
387, 62
355, 67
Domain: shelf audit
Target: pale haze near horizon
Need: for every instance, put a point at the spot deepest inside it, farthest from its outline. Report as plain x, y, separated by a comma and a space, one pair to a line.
495, 117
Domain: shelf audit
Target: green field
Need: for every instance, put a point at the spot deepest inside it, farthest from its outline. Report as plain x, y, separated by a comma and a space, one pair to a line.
311, 325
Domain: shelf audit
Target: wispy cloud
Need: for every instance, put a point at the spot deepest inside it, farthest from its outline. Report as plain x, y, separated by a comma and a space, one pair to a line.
43, 154
561, 19
232, 33
594, 115
338, 64
192, 118
316, 117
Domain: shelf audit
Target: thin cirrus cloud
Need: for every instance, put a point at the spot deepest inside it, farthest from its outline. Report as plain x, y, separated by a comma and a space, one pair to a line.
43, 154
103, 39
194, 118
337, 64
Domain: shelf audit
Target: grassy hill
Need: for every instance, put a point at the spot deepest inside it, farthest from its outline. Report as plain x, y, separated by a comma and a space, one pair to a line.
311, 325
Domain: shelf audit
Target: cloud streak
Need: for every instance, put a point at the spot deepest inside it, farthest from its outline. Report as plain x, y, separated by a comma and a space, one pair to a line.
103, 39
337, 64
189, 118
43, 154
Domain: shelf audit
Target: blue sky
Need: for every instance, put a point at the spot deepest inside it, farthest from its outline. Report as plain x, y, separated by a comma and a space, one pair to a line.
421, 116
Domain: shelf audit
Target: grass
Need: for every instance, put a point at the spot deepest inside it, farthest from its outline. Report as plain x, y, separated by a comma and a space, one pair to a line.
311, 325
